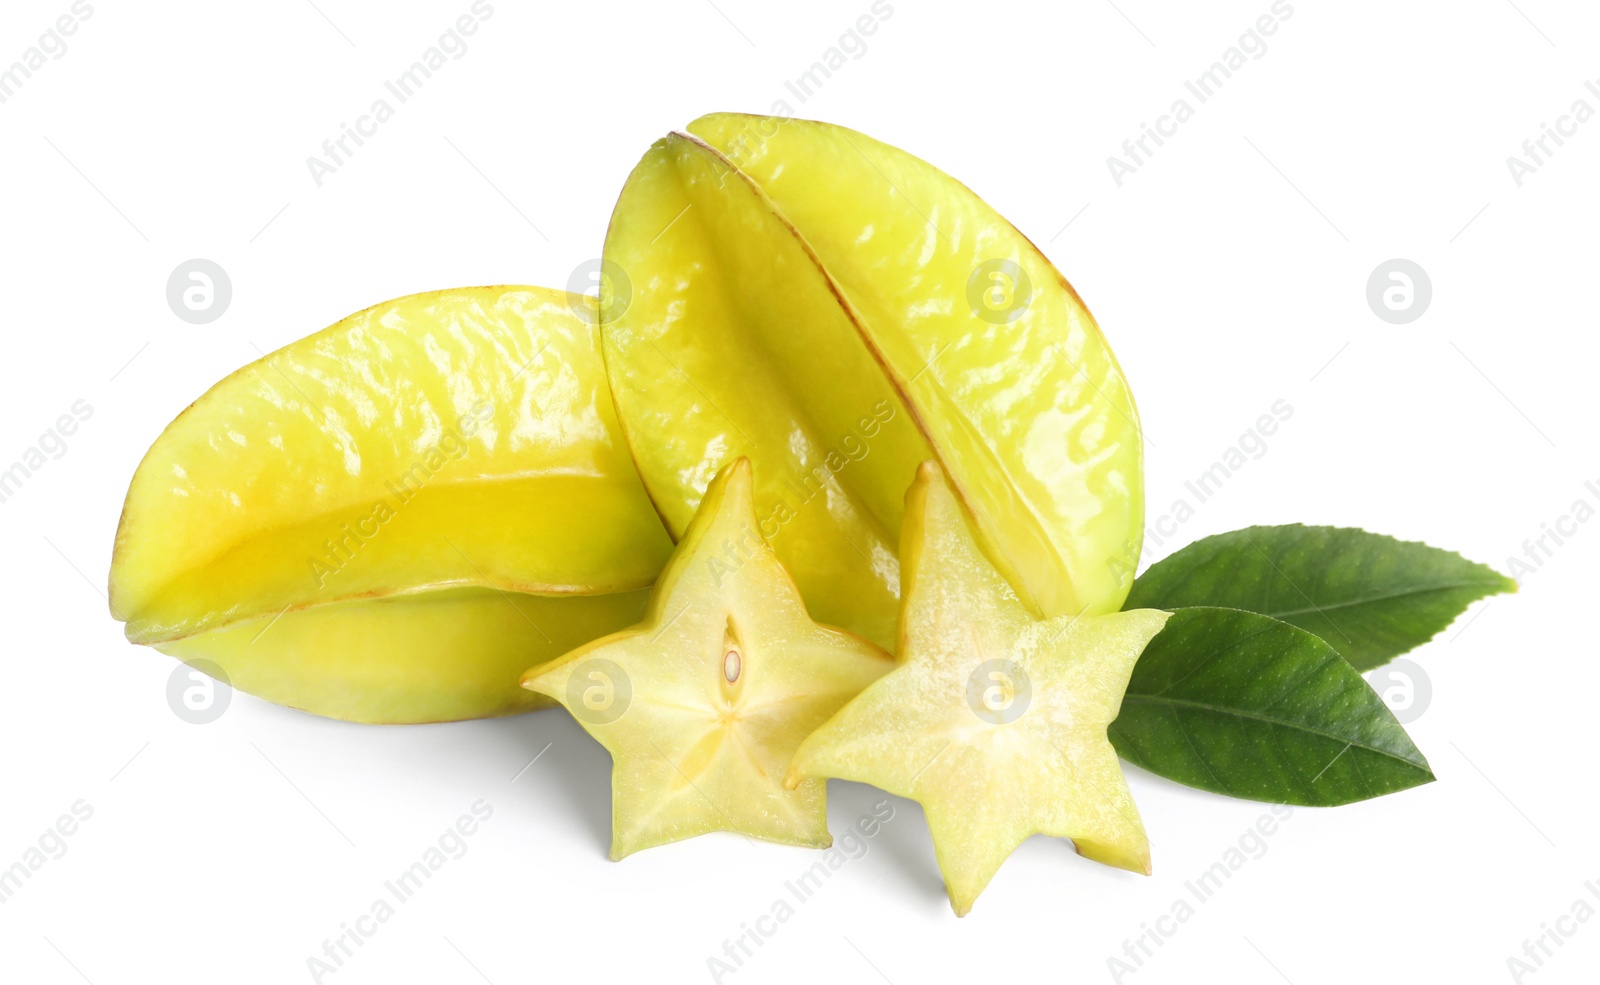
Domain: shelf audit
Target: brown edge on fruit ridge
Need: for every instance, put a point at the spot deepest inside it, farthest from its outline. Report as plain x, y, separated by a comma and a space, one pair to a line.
530, 589
833, 287
1061, 278
805, 248
895, 381
520, 588
810, 254
1094, 324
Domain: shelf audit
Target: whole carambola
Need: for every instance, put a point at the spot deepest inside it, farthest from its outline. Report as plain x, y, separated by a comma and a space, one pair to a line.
839, 311
388, 520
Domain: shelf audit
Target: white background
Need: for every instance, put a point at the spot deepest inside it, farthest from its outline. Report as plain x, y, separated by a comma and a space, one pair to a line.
1227, 273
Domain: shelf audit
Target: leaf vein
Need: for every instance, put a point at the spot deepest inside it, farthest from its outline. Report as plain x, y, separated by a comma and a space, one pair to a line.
1269, 720
1352, 603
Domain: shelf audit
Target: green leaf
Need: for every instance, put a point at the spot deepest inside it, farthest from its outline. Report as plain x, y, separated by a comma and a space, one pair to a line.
1372, 597
1245, 705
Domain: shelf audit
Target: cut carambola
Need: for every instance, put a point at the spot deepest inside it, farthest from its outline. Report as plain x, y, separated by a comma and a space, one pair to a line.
996, 722
703, 704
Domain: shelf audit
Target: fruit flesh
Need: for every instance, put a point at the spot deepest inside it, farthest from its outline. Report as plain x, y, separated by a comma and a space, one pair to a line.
453, 455
702, 705
787, 271
996, 721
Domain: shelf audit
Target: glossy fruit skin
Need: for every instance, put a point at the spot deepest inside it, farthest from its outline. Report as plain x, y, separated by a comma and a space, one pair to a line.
788, 284
435, 656
448, 460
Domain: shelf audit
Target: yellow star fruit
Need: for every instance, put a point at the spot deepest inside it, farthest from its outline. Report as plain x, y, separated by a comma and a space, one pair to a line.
996, 721
704, 703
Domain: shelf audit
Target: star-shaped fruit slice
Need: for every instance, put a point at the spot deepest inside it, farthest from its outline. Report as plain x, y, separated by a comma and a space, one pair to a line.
996, 720
704, 703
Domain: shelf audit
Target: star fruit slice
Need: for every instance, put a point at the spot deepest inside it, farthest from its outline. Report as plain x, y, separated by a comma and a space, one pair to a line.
996, 721
388, 520
840, 311
702, 705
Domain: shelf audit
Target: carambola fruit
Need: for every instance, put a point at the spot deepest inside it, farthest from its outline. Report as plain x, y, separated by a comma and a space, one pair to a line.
838, 311
389, 520
702, 705
996, 721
